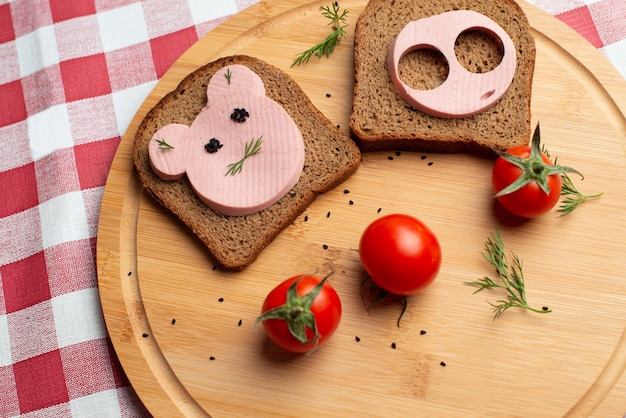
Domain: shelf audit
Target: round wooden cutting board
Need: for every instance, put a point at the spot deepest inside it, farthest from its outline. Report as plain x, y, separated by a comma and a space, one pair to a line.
184, 330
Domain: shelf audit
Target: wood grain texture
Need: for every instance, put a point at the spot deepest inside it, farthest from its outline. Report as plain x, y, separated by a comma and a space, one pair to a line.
175, 321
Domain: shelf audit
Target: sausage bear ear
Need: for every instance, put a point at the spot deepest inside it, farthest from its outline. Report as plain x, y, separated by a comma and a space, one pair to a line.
232, 79
167, 151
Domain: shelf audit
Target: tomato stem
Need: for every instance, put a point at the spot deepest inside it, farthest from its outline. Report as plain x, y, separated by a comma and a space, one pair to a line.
405, 304
296, 312
381, 295
533, 168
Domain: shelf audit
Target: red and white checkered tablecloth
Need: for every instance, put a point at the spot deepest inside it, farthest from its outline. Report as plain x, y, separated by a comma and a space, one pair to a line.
72, 75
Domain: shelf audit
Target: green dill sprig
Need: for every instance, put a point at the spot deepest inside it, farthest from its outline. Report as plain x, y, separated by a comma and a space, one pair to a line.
252, 148
511, 278
228, 75
327, 46
163, 145
572, 197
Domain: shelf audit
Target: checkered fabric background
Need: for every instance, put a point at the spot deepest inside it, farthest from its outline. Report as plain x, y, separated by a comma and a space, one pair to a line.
72, 75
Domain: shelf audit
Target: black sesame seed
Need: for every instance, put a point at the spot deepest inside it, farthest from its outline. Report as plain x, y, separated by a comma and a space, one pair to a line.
211, 358
422, 332
443, 364
545, 308
390, 158
357, 339
215, 267
327, 94
338, 126
379, 209
346, 191
430, 163
220, 300
239, 323
351, 202
328, 214
393, 345
325, 246
173, 321
398, 153
130, 273
423, 157
144, 335
306, 218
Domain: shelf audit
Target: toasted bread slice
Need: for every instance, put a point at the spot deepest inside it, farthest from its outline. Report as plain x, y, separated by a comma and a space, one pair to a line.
382, 120
236, 241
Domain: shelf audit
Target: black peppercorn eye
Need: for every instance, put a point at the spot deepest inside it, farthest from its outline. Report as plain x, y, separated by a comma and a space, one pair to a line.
213, 145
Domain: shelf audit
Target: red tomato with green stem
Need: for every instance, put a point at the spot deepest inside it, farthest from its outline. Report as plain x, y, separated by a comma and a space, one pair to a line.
301, 313
525, 180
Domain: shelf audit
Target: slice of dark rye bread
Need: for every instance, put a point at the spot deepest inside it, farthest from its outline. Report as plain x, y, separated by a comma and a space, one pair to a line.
236, 241
382, 120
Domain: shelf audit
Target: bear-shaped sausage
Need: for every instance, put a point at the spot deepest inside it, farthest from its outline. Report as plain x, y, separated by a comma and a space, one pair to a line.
242, 153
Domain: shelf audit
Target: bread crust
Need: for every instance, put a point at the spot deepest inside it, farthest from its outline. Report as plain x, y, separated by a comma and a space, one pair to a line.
236, 241
382, 120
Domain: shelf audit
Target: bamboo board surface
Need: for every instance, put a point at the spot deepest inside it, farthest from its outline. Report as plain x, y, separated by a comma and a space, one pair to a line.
201, 356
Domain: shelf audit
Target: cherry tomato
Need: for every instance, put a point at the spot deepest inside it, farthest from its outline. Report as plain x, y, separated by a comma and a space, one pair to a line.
530, 200
301, 313
526, 182
400, 254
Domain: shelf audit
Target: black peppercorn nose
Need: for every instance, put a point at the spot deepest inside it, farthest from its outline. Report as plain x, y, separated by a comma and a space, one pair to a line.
239, 115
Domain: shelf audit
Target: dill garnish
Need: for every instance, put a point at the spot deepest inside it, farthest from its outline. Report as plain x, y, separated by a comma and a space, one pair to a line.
252, 148
511, 278
327, 46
